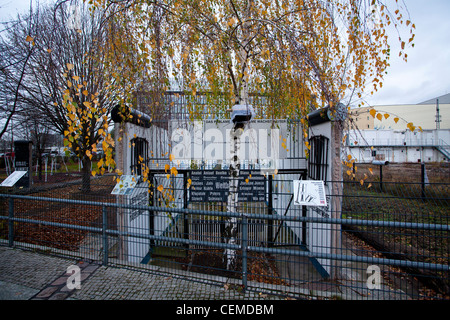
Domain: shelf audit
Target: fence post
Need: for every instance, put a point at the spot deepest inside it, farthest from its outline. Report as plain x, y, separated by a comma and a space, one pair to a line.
244, 250
270, 205
11, 222
105, 236
185, 216
422, 166
151, 213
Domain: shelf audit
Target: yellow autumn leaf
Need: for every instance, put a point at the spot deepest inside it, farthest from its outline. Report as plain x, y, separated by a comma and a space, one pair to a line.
29, 39
76, 78
379, 116
372, 112
70, 66
371, 171
174, 171
171, 157
361, 181
87, 104
396, 120
166, 167
386, 115
160, 188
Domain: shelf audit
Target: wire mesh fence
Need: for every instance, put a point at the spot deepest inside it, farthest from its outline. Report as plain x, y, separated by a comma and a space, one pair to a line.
389, 243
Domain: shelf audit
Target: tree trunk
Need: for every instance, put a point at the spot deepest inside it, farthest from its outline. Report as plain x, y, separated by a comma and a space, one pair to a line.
39, 164
86, 175
241, 97
232, 204
337, 189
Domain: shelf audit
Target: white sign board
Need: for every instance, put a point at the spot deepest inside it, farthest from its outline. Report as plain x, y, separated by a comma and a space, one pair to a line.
312, 193
126, 185
137, 220
309, 193
13, 178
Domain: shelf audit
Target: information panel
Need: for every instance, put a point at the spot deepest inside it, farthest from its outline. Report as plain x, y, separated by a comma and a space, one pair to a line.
213, 186
309, 193
13, 178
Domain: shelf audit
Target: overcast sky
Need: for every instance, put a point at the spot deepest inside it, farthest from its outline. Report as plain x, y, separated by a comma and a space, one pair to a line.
426, 75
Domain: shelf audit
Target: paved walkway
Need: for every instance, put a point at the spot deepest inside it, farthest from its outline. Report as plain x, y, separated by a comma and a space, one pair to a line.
27, 275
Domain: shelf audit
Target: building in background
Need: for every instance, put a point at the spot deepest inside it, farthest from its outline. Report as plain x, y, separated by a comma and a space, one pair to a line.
390, 139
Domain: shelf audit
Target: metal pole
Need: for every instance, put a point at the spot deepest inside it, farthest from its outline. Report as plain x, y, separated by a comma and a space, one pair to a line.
105, 235
151, 213
244, 250
11, 222
185, 216
270, 205
304, 215
423, 179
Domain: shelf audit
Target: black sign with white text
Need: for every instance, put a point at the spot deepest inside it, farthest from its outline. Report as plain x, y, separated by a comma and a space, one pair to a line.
213, 186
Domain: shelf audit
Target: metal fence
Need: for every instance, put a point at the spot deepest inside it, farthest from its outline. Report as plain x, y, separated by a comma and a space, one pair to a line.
389, 243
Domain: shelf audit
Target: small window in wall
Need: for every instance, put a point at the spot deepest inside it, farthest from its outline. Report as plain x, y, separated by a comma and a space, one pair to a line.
139, 154
318, 158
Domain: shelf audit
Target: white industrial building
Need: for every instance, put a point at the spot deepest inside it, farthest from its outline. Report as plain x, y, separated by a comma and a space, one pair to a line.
389, 138
399, 145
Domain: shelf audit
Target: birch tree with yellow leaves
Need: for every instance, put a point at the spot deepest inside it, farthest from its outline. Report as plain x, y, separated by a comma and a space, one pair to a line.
300, 55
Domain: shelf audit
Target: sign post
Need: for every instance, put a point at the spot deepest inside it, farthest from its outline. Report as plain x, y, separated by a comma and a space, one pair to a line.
135, 192
313, 195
